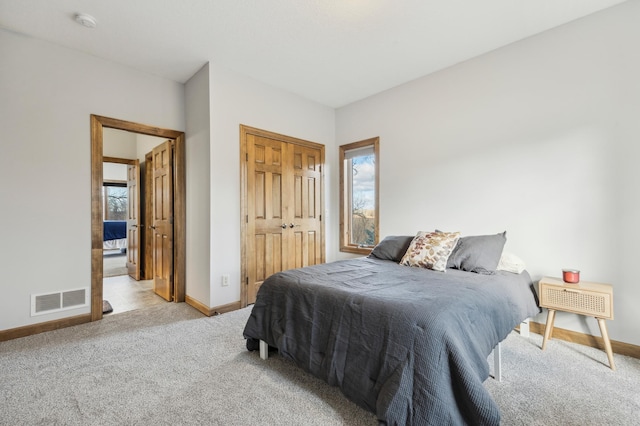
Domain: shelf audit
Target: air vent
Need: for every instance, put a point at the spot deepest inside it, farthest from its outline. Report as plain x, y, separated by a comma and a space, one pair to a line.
73, 298
47, 302
59, 301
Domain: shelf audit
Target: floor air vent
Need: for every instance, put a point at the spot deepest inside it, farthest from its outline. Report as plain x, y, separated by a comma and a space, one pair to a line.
59, 301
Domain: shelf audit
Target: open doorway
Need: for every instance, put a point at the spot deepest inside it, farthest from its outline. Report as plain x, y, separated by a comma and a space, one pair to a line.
127, 269
173, 253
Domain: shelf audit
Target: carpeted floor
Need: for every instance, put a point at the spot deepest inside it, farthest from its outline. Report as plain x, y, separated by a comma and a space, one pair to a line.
170, 365
114, 263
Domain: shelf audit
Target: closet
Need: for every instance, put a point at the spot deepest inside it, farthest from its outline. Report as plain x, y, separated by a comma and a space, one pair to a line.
282, 204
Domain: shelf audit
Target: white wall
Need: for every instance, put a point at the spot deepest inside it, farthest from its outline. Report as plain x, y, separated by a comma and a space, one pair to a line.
198, 187
118, 143
48, 93
114, 171
124, 144
538, 138
236, 100
144, 144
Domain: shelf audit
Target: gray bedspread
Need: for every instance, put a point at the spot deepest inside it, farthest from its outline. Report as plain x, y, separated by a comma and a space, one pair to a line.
408, 344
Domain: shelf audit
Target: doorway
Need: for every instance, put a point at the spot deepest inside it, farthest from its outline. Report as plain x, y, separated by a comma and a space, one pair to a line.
178, 198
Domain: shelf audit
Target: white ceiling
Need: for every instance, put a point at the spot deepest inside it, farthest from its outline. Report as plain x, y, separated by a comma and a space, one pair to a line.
331, 51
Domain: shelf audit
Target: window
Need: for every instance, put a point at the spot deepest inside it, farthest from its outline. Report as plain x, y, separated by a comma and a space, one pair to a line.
359, 166
115, 201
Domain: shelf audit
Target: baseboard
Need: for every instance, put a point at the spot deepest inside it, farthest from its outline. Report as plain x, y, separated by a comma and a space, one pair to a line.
216, 310
204, 309
586, 339
223, 309
28, 330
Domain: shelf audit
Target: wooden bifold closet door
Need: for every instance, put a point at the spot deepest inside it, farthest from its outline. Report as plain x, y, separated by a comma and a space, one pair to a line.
283, 204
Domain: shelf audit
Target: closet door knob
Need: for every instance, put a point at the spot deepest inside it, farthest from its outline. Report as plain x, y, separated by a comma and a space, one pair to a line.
284, 226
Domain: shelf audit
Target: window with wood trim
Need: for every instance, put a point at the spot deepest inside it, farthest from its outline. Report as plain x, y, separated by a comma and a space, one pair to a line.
359, 176
115, 200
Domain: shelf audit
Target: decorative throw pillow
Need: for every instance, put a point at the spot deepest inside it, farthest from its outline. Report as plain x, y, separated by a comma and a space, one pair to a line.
391, 248
480, 253
430, 250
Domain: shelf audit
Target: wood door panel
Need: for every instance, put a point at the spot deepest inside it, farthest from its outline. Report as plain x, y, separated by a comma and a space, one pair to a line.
133, 221
276, 196
260, 195
268, 255
298, 249
298, 202
312, 198
312, 254
261, 254
162, 220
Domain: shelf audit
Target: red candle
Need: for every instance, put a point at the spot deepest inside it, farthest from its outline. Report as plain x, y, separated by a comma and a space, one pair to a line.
571, 276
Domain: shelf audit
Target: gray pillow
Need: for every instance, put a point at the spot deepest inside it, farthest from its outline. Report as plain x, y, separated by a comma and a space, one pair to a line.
479, 253
392, 248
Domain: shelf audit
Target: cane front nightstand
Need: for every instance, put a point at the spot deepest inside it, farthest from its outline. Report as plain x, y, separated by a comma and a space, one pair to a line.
584, 298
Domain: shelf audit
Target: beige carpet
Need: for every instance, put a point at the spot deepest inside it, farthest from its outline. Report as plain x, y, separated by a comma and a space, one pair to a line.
168, 365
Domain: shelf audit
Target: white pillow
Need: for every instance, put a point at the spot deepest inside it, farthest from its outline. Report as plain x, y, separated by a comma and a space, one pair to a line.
511, 263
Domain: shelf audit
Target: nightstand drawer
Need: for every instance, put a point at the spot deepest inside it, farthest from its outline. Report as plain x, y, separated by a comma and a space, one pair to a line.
577, 300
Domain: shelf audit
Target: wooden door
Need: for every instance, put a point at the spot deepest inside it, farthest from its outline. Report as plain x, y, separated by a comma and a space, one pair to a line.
283, 204
267, 212
305, 247
162, 227
133, 220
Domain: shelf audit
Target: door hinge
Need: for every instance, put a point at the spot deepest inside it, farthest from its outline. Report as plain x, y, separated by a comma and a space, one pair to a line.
247, 281
246, 157
171, 220
320, 218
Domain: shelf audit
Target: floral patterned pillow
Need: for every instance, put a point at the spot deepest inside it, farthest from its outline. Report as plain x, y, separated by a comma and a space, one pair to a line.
430, 250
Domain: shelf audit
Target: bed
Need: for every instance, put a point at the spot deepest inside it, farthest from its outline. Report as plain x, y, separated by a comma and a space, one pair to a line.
409, 344
114, 234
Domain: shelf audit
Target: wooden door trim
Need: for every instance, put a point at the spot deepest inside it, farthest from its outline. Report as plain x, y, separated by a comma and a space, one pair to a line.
244, 132
98, 123
118, 160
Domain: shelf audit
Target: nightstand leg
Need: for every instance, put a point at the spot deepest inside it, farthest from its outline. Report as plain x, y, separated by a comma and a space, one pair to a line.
607, 342
551, 316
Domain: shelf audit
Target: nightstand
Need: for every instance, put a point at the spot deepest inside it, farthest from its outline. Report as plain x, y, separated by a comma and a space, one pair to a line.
584, 298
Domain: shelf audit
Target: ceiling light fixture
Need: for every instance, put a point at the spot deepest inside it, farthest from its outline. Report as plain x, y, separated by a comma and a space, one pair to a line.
85, 20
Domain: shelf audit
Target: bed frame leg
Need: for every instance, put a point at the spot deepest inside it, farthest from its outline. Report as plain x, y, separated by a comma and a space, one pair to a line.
497, 363
264, 349
524, 328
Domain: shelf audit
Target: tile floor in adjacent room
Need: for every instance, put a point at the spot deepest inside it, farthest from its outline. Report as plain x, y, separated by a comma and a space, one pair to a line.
126, 294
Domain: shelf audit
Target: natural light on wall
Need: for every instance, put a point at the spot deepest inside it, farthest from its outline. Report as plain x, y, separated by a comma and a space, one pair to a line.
359, 163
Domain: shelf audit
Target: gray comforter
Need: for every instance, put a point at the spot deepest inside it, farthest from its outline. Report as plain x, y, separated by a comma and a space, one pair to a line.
408, 344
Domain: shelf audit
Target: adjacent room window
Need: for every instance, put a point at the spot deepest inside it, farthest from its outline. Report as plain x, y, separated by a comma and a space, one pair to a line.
359, 166
115, 200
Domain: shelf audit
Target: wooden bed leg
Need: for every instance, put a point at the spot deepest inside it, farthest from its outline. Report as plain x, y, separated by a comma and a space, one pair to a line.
524, 328
264, 349
497, 363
